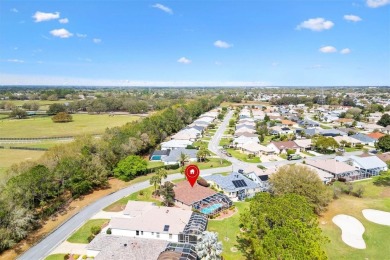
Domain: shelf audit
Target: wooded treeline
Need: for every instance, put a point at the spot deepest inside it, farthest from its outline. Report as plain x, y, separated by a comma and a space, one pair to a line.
33, 191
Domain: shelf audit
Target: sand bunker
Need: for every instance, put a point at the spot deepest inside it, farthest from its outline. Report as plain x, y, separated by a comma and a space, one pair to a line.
377, 216
351, 230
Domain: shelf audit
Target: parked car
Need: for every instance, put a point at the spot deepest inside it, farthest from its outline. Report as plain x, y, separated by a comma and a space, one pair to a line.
228, 155
240, 171
223, 151
294, 157
373, 151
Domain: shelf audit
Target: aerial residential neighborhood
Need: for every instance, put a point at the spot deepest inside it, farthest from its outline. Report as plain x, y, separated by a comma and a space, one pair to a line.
195, 130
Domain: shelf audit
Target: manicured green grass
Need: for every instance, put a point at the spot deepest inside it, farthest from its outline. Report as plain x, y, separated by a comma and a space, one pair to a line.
229, 228
154, 164
9, 157
56, 257
267, 139
283, 156
307, 153
144, 195
224, 141
351, 149
376, 236
325, 126
82, 234
45, 127
243, 157
212, 163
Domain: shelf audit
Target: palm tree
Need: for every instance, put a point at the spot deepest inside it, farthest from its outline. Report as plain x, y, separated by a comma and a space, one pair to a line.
183, 158
208, 246
168, 194
155, 180
162, 174
202, 154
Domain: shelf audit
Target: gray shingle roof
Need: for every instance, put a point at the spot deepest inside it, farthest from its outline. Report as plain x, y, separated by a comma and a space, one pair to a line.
363, 138
174, 155
226, 182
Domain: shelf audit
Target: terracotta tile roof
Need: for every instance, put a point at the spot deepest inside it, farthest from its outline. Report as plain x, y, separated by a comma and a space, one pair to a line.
384, 157
345, 120
285, 145
287, 122
376, 135
189, 195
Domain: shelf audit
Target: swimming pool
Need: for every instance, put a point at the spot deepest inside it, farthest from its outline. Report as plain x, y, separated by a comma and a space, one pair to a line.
211, 208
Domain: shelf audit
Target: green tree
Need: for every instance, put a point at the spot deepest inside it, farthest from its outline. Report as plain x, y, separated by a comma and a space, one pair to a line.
383, 179
62, 117
324, 144
183, 158
168, 194
280, 227
155, 180
232, 122
301, 180
162, 174
384, 121
18, 113
129, 167
202, 154
56, 108
208, 246
383, 143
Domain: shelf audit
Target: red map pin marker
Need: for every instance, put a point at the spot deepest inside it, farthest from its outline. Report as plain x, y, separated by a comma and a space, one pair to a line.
192, 174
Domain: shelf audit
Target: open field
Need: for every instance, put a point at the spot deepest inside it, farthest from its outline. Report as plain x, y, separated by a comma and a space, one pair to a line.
82, 234
229, 228
9, 157
43, 104
376, 236
39, 144
212, 163
44, 126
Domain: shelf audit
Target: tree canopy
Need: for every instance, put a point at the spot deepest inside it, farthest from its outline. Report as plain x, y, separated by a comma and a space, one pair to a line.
129, 167
384, 121
324, 144
280, 227
384, 143
301, 180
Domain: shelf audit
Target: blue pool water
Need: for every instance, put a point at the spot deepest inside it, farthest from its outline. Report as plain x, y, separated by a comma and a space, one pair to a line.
211, 208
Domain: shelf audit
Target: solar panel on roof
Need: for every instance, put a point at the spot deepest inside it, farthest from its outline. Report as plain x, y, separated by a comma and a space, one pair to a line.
166, 227
236, 184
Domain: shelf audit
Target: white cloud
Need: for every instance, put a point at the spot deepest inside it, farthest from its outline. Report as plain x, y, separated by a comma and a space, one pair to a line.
316, 24
80, 35
163, 8
15, 60
222, 44
345, 51
64, 20
14, 10
184, 60
352, 18
61, 33
41, 16
96, 40
328, 49
377, 3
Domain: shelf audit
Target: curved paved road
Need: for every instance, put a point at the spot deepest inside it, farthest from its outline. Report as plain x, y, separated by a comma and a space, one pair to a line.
45, 246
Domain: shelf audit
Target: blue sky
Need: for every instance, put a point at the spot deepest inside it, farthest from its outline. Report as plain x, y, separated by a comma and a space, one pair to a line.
242, 43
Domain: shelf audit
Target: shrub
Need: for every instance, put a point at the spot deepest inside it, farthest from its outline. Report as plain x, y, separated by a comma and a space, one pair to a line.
66, 257
290, 151
359, 146
342, 179
250, 156
336, 192
95, 230
141, 193
62, 117
348, 188
108, 232
84, 256
202, 182
359, 191
75, 256
90, 238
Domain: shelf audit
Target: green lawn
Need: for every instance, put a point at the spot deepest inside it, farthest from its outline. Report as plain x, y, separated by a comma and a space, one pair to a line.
243, 157
325, 126
229, 228
224, 141
376, 236
154, 164
82, 234
351, 149
307, 153
212, 163
44, 126
120, 204
56, 257
267, 139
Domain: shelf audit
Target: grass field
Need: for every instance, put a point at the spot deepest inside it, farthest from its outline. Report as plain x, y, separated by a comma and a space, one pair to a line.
212, 163
44, 126
9, 157
41, 144
229, 228
224, 141
145, 195
376, 236
55, 257
243, 157
82, 234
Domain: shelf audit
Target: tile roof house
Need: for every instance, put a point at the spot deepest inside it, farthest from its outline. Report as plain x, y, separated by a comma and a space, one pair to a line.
332, 132
256, 148
366, 140
288, 123
174, 156
367, 166
244, 130
283, 146
235, 185
239, 141
246, 134
187, 195
384, 157
386, 129
304, 144
185, 135
347, 139
375, 135
175, 144
334, 167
